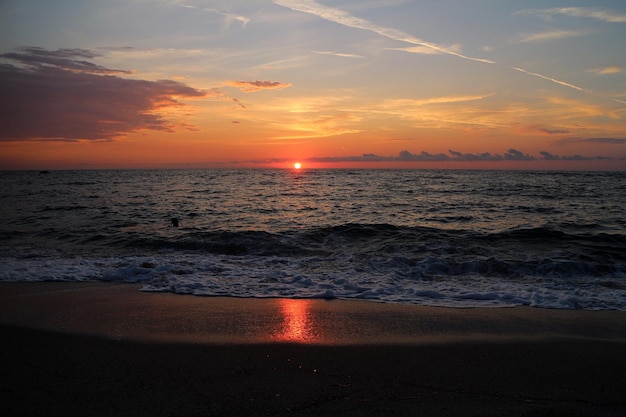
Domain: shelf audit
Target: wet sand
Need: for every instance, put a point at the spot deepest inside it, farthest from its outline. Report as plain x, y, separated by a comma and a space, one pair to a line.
94, 349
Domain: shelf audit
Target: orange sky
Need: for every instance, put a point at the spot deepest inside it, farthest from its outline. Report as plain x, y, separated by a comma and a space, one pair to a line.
264, 83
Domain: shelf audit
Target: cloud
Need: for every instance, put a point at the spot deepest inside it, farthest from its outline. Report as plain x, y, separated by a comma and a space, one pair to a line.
610, 141
419, 49
550, 157
344, 18
318, 125
584, 12
515, 155
339, 54
599, 141
62, 59
406, 156
254, 86
424, 50
422, 156
238, 103
596, 141
486, 156
436, 100
550, 35
455, 111
453, 156
370, 157
229, 18
59, 95
553, 131
606, 70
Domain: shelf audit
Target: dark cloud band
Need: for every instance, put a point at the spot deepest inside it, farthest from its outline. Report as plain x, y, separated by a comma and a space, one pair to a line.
60, 95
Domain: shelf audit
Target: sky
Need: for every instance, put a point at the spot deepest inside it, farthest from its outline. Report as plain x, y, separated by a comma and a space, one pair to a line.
496, 84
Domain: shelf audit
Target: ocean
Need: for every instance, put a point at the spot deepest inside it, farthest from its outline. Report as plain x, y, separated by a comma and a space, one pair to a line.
448, 238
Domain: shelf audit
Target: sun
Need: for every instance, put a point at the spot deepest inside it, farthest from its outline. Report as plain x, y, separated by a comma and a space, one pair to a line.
297, 165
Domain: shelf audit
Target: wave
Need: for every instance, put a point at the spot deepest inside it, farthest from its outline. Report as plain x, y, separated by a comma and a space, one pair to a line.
420, 252
551, 250
63, 208
457, 238
379, 237
542, 266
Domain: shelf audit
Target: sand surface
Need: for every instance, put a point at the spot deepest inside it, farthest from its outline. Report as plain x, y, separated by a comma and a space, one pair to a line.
94, 349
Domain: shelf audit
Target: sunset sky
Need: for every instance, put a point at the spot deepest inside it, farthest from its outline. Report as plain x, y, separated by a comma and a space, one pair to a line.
342, 83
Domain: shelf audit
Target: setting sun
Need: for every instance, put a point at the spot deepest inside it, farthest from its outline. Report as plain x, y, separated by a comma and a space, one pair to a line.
181, 94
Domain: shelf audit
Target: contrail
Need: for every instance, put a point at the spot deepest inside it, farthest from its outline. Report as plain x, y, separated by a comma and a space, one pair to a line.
547, 78
343, 18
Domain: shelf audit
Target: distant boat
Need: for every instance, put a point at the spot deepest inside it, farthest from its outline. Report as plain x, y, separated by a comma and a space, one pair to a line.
44, 172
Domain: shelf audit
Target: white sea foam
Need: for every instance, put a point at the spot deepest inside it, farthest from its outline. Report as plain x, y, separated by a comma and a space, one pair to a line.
259, 277
453, 238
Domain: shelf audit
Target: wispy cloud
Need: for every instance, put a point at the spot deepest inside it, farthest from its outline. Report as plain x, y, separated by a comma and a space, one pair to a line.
460, 112
550, 35
319, 126
553, 131
433, 100
254, 86
310, 104
560, 109
342, 17
606, 70
58, 95
605, 141
339, 54
289, 63
583, 12
420, 49
229, 18
610, 141
549, 115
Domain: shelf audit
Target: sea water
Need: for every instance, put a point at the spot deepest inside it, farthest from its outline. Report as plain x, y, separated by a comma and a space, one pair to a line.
432, 237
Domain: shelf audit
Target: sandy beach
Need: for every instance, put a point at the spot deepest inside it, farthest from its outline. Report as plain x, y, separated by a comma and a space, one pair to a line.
94, 349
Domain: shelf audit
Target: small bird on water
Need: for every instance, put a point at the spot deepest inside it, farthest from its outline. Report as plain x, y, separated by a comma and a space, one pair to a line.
174, 221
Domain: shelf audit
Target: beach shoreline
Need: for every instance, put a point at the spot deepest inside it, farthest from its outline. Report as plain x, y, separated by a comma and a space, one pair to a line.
109, 349
123, 312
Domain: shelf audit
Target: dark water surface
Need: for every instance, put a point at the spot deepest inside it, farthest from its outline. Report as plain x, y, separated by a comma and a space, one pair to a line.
450, 238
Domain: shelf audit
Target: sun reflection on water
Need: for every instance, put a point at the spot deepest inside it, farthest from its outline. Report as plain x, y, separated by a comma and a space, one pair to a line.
297, 325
